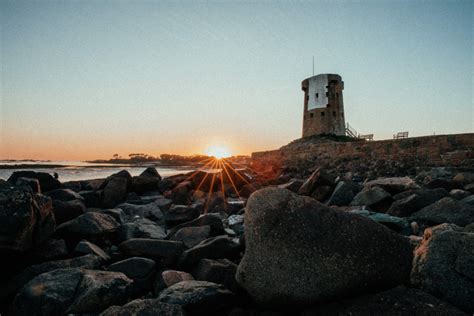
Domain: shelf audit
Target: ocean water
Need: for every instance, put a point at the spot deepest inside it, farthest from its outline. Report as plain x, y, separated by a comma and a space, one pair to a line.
79, 170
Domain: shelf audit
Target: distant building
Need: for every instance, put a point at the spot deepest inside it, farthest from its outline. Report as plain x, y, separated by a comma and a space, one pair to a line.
323, 105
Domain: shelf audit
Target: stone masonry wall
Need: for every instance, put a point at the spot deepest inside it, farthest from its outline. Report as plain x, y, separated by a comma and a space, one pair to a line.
455, 150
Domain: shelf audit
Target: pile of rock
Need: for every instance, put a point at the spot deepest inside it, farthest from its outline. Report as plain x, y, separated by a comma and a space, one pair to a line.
323, 244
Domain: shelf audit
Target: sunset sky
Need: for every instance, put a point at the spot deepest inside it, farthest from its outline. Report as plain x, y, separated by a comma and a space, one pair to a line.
88, 79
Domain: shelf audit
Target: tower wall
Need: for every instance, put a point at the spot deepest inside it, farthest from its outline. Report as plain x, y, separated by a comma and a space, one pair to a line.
323, 105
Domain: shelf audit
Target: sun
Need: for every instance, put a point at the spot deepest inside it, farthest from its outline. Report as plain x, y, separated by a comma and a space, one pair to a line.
218, 152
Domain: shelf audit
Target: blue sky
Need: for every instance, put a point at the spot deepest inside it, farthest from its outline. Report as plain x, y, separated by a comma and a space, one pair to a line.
87, 79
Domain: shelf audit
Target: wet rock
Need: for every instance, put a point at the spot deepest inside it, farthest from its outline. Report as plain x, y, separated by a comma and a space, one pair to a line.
91, 198
191, 236
145, 307
212, 248
86, 247
72, 290
344, 193
141, 228
443, 265
394, 302
299, 251
90, 226
47, 182
26, 218
220, 271
198, 297
446, 210
166, 252
394, 185
178, 214
67, 210
374, 197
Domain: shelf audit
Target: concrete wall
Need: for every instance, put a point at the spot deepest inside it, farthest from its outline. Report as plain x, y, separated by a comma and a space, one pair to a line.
323, 114
444, 150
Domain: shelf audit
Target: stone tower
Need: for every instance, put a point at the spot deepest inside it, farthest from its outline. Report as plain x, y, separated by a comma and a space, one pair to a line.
323, 105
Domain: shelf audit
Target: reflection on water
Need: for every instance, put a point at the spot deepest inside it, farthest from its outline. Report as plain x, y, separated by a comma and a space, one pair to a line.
78, 170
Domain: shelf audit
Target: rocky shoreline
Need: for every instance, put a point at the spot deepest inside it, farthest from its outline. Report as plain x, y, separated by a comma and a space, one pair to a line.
238, 243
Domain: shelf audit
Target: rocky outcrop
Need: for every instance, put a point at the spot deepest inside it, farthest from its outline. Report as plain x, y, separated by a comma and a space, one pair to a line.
26, 218
90, 226
443, 265
73, 290
298, 251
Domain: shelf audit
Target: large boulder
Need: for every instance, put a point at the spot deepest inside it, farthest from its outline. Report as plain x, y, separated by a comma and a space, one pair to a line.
394, 302
319, 185
374, 197
191, 236
141, 228
14, 284
67, 210
26, 218
145, 307
71, 291
344, 193
299, 251
90, 226
47, 181
443, 265
64, 195
446, 210
146, 182
151, 211
178, 214
198, 297
114, 191
408, 202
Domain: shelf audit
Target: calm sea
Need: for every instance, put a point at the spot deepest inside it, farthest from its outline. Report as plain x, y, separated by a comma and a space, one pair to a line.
79, 170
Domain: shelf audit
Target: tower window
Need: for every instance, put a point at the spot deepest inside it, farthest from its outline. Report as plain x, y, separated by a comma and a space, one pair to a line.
334, 114
328, 105
327, 94
317, 95
337, 94
311, 114
322, 113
